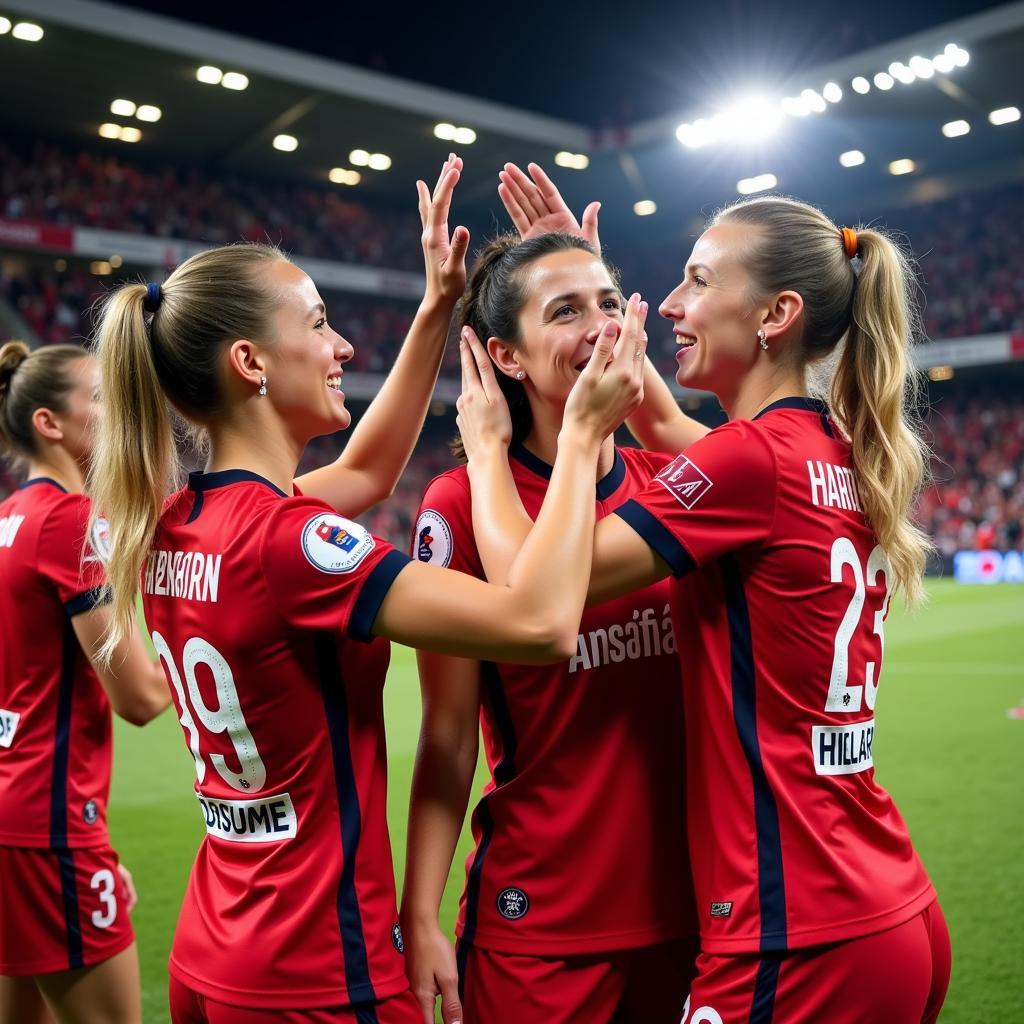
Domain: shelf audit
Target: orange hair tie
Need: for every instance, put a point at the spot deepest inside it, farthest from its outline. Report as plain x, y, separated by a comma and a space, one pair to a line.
849, 242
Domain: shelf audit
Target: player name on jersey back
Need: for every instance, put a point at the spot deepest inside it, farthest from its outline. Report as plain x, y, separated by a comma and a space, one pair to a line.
269, 820
843, 749
193, 575
833, 486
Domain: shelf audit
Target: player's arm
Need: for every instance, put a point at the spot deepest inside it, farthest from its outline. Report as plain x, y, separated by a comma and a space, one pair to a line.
535, 617
368, 469
134, 683
658, 423
441, 783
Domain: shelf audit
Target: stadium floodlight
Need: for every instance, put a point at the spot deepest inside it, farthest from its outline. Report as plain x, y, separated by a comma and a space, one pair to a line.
286, 143
209, 75
901, 72
943, 62
759, 183
573, 161
378, 162
235, 81
122, 108
344, 176
109, 130
359, 157
444, 131
832, 92
813, 100
884, 81
465, 136
860, 84
101, 268
147, 112
922, 67
794, 106
903, 166
954, 129
116, 261
1004, 115
749, 119
645, 207
129, 134
940, 373
27, 31
5, 25
851, 158
961, 58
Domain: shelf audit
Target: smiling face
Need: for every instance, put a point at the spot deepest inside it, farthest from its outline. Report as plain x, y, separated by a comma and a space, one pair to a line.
570, 297
714, 315
303, 365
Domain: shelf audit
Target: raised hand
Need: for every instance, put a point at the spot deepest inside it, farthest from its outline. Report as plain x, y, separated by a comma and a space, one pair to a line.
537, 207
611, 385
483, 412
444, 259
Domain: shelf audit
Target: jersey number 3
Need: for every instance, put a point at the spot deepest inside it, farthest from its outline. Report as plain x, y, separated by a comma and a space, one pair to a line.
841, 696
226, 717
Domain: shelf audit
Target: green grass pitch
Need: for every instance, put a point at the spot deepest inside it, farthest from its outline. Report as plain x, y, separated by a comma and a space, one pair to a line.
946, 749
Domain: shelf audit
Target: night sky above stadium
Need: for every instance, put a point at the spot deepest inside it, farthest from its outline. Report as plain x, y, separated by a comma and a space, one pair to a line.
603, 63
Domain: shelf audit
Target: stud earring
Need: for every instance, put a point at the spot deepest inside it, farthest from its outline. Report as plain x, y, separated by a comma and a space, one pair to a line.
762, 339
520, 375
263, 385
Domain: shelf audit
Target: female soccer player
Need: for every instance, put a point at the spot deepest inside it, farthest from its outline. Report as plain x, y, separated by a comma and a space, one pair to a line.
578, 899
66, 940
264, 600
786, 532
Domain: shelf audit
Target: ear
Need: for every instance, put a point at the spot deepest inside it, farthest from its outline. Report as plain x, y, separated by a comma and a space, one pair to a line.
504, 356
782, 314
246, 362
47, 425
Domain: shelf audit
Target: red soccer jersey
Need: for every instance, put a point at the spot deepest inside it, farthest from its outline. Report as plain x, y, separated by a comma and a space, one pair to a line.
580, 842
55, 728
793, 841
261, 607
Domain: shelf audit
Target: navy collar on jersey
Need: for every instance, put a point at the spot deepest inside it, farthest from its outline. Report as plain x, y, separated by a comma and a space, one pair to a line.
43, 480
606, 486
199, 481
815, 405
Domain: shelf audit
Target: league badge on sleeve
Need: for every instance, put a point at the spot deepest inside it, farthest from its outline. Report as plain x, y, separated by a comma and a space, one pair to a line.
99, 541
685, 481
433, 538
334, 544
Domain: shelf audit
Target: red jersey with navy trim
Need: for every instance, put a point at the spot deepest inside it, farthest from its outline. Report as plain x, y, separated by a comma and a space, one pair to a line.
55, 725
780, 621
261, 607
580, 841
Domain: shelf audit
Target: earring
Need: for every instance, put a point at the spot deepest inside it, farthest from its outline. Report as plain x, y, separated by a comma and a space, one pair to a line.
520, 375
263, 385
762, 339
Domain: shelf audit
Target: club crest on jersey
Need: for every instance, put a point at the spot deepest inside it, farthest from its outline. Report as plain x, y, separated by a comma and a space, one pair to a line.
90, 812
513, 903
396, 938
684, 481
334, 544
433, 538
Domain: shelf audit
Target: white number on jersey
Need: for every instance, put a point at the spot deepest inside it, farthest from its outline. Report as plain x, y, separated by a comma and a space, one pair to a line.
226, 717
841, 697
103, 880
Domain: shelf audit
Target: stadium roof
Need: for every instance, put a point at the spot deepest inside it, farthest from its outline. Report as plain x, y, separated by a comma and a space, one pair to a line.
92, 53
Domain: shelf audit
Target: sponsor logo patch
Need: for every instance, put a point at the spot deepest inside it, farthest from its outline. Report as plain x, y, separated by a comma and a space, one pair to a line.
433, 538
8, 726
269, 820
90, 812
684, 481
843, 749
396, 937
513, 903
334, 544
721, 908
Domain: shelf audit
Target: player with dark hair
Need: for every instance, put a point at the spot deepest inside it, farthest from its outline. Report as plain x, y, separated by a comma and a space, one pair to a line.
66, 940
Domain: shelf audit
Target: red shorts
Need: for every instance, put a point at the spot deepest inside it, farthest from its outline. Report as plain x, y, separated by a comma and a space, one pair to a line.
898, 976
647, 984
61, 909
189, 1007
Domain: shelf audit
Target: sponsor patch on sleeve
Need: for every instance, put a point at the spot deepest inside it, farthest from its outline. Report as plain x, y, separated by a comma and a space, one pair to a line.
433, 538
99, 541
335, 544
8, 726
685, 481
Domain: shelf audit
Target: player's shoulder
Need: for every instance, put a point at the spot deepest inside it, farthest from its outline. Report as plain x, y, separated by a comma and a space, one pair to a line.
644, 461
740, 449
452, 487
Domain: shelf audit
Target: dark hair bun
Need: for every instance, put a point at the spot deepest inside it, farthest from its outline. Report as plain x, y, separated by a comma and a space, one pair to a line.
12, 355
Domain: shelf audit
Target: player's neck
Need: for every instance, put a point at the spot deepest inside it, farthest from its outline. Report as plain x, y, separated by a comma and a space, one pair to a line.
275, 458
59, 465
759, 390
544, 444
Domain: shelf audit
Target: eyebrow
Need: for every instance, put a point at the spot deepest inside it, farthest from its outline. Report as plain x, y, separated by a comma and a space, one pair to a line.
575, 295
695, 266
318, 308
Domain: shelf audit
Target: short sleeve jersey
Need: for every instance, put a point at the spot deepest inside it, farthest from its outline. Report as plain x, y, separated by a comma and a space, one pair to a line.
261, 607
579, 836
780, 619
55, 724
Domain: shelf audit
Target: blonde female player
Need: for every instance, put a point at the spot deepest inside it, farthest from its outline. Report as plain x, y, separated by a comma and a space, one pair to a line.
786, 532
67, 949
270, 607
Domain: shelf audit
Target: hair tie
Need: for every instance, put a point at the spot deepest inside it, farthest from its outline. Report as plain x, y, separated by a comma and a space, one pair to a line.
849, 237
154, 296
